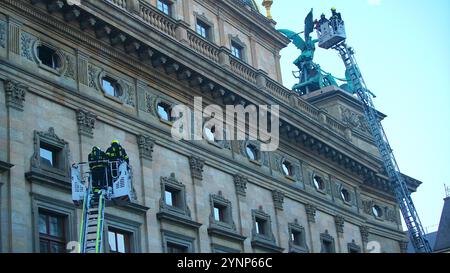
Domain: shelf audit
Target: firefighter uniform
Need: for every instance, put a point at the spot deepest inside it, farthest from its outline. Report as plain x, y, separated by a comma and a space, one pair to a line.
116, 154
98, 164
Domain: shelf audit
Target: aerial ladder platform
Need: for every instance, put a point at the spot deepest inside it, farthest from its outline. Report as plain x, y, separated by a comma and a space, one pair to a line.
93, 204
332, 35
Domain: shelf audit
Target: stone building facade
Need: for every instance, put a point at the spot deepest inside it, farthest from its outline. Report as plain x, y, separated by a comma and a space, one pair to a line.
74, 76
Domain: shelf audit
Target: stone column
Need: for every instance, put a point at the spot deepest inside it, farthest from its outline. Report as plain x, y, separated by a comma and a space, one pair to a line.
364, 230
278, 200
200, 208
240, 185
146, 145
340, 221
311, 217
18, 203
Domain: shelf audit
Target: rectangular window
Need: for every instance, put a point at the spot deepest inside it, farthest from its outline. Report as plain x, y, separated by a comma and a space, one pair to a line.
296, 238
260, 226
203, 29
237, 50
119, 241
219, 213
111, 87
175, 248
171, 197
327, 246
164, 6
49, 155
51, 233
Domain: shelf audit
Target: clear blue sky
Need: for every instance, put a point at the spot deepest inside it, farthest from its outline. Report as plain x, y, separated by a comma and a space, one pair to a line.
403, 50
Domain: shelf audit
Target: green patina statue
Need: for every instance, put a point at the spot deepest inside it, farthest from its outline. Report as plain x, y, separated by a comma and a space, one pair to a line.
311, 76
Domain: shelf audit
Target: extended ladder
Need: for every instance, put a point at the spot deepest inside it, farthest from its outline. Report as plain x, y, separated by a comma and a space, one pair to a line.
401, 192
91, 229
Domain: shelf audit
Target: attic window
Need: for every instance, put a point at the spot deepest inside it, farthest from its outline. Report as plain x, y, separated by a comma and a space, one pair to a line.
164, 111
318, 183
377, 212
111, 87
287, 168
345, 195
48, 57
252, 152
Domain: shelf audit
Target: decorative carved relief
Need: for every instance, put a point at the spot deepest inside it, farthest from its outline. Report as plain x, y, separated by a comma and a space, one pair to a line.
2, 34
278, 199
71, 67
240, 183
128, 93
364, 230
354, 120
311, 212
26, 45
339, 221
391, 215
367, 206
15, 94
146, 144
149, 103
92, 76
86, 122
196, 164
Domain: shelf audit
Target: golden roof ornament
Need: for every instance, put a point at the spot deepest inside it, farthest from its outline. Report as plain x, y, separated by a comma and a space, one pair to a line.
268, 4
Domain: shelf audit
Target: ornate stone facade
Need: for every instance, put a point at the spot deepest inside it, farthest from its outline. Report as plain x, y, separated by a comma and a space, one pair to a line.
166, 63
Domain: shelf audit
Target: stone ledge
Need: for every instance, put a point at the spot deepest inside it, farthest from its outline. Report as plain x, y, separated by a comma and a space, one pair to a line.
5, 166
42, 177
179, 219
257, 242
229, 234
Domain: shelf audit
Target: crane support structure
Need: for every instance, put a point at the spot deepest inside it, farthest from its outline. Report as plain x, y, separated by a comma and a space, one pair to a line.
332, 35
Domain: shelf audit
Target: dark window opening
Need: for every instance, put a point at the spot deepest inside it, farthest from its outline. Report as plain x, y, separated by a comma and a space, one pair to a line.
260, 225
210, 133
164, 111
327, 246
49, 155
119, 241
318, 182
219, 213
237, 50
376, 210
48, 57
171, 197
111, 87
252, 152
51, 233
296, 237
176, 248
287, 168
203, 29
345, 195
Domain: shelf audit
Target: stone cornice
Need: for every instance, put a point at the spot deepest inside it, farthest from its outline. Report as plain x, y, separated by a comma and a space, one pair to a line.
5, 166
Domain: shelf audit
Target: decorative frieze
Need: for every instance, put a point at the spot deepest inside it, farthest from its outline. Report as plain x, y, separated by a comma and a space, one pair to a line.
15, 94
196, 164
86, 122
92, 76
278, 199
311, 212
354, 120
240, 184
146, 144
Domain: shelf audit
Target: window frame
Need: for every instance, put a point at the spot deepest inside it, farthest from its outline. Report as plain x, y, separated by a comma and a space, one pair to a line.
169, 5
114, 83
326, 238
176, 186
61, 68
168, 108
303, 246
57, 207
47, 236
203, 26
59, 173
236, 43
127, 239
322, 185
267, 239
177, 239
123, 225
353, 247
